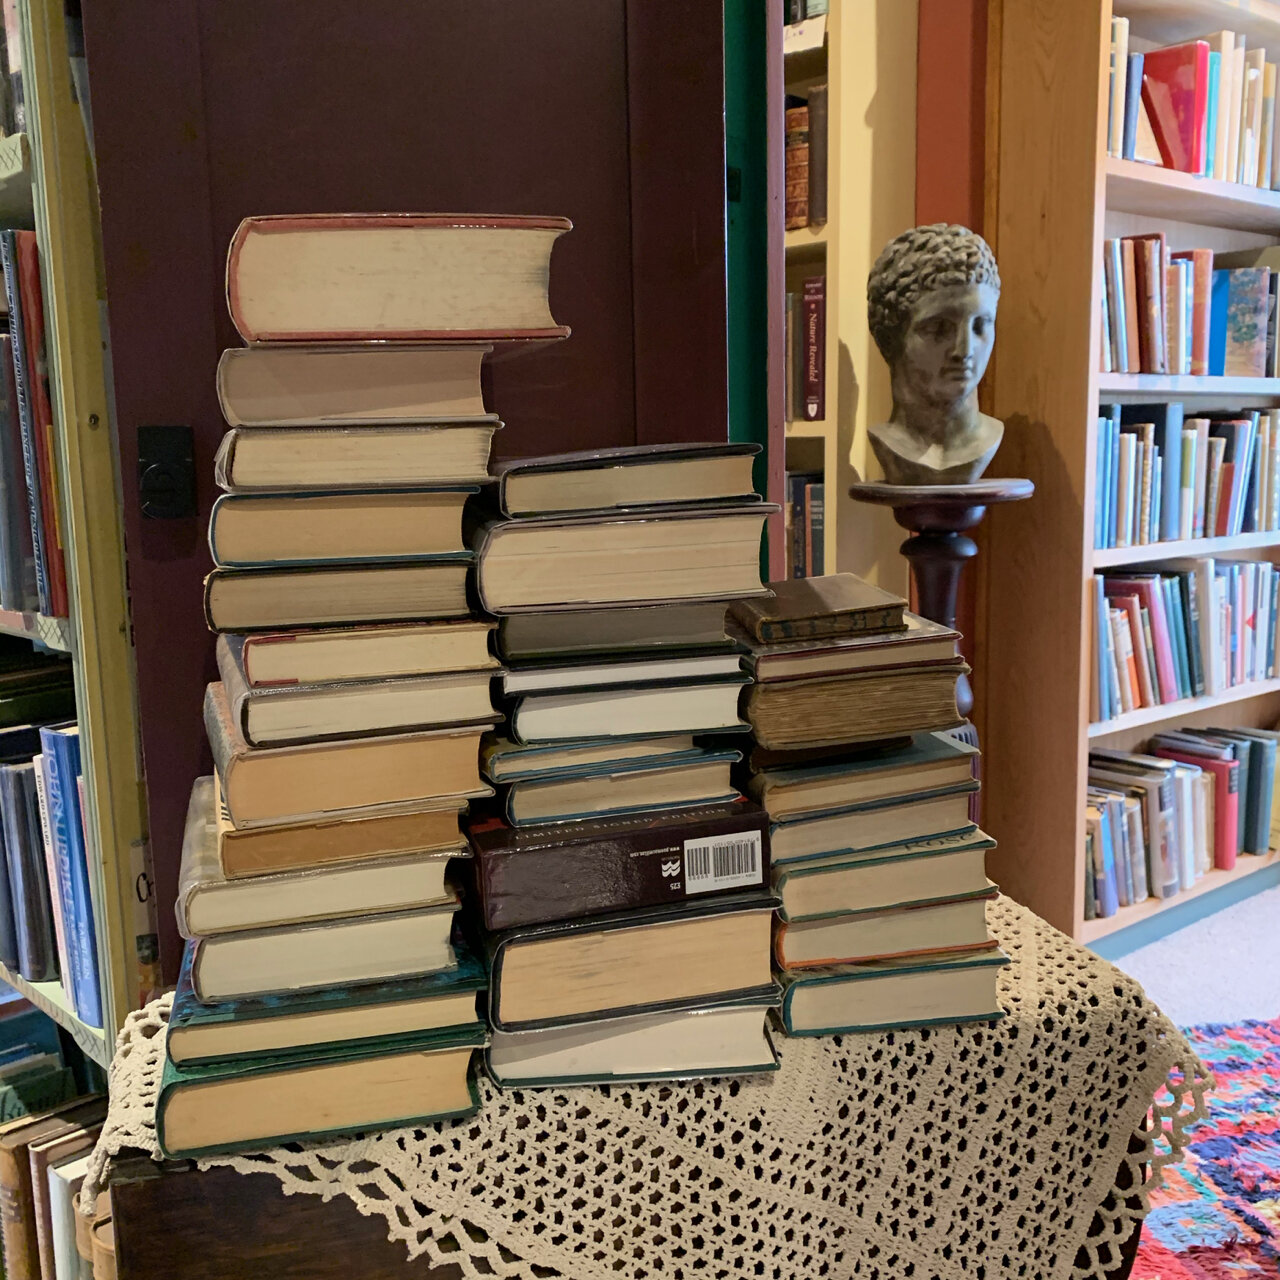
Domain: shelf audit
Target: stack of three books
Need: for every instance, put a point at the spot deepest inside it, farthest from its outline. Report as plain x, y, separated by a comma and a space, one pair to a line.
622, 880
879, 870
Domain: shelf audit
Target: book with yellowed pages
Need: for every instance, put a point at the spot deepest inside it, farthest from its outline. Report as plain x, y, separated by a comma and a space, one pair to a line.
302, 1021
352, 708
322, 596
652, 960
953, 924
652, 629
708, 551
833, 604
208, 903
358, 653
502, 760
375, 383
254, 1102
655, 475
878, 995
337, 838
320, 779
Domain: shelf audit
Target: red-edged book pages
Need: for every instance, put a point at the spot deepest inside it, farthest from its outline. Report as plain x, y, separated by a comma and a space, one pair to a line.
1201, 293
1226, 801
42, 416
1175, 91
1152, 600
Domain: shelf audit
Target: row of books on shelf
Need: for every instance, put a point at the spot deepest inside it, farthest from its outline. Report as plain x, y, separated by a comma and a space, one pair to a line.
410, 853
1159, 820
799, 10
1192, 312
1206, 107
1165, 636
1163, 477
805, 524
49, 1123
806, 159
806, 351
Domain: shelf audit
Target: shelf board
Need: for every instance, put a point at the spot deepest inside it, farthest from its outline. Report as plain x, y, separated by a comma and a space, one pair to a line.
53, 632
1155, 192
1162, 384
806, 242
1106, 558
1184, 707
50, 998
1173, 21
1246, 865
803, 430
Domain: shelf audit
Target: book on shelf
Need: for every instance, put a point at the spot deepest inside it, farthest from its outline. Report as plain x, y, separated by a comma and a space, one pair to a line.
18, 590
27, 868
64, 1183
343, 277
818, 165
720, 1039
44, 1156
796, 143
543, 874
813, 371
799, 531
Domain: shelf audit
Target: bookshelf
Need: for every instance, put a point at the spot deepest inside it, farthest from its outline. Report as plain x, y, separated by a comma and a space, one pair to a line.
63, 203
1054, 195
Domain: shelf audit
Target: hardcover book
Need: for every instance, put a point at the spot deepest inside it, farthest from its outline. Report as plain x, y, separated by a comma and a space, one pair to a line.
838, 604
1175, 89
542, 874
403, 276
647, 629
502, 760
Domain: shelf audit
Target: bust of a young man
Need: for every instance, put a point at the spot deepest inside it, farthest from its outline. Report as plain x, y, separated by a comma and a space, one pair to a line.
931, 305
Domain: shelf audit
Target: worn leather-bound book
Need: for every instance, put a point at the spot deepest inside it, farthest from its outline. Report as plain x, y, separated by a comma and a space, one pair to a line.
837, 604
562, 871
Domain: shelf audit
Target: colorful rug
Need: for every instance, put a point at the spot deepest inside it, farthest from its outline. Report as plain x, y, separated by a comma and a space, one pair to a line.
1218, 1215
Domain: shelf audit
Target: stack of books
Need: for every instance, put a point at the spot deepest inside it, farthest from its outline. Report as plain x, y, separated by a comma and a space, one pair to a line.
1159, 820
880, 872
325, 986
623, 895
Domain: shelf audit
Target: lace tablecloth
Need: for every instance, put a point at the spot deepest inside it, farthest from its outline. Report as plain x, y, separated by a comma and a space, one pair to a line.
976, 1151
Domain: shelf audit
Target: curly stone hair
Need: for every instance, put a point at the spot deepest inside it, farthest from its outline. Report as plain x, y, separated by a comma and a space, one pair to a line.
916, 262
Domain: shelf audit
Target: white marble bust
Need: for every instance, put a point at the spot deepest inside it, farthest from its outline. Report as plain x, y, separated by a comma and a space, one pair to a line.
931, 305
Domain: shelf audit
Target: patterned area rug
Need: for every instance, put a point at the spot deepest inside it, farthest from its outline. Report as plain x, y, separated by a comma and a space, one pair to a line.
1218, 1214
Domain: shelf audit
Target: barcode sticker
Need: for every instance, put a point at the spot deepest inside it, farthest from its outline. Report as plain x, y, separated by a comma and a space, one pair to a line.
723, 862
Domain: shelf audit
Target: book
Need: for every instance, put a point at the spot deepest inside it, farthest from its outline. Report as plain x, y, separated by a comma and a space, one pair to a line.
861, 706
523, 637
258, 1102
814, 348
64, 1181
646, 670
872, 824
796, 163
881, 994
1150, 254
348, 951
1175, 88
539, 875
248, 530
1202, 262
28, 877
717, 1040
17, 553
61, 749
402, 276
1132, 303
1166, 421
43, 1157
931, 762
703, 779
658, 959
1132, 105
659, 475
635, 711
280, 599
837, 604
1238, 322
815, 527
280, 714
1118, 86
956, 924
547, 562
321, 779
919, 643
364, 457
208, 903
287, 658
322, 841
301, 1023
797, 524
503, 760
818, 155
1254, 834
925, 869
1226, 793
374, 383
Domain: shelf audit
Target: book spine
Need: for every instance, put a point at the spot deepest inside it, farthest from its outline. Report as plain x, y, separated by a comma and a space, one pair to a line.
815, 348
796, 524
20, 891
815, 503
19, 587
22, 384
17, 1215
797, 165
51, 872
1132, 105
1132, 308
818, 155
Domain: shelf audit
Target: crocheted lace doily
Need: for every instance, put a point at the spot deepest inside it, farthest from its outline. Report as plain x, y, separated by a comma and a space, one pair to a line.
978, 1151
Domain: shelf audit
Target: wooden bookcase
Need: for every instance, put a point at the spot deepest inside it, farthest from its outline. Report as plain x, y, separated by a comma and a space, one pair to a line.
62, 205
1054, 195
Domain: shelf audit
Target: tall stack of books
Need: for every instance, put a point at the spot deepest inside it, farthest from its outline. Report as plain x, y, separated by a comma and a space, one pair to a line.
325, 986
880, 872
623, 895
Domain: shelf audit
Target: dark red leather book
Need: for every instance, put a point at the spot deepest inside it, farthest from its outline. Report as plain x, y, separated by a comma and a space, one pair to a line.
1175, 91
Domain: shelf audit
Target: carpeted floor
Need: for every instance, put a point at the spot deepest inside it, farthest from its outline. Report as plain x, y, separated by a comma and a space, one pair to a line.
1218, 1216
